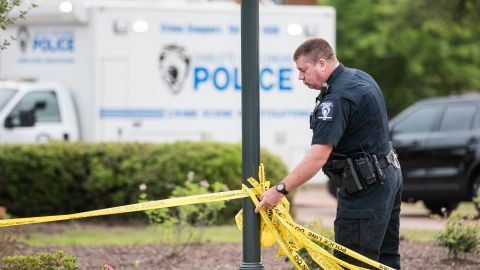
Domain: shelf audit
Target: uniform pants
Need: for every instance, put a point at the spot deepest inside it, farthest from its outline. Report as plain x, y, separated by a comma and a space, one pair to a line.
368, 221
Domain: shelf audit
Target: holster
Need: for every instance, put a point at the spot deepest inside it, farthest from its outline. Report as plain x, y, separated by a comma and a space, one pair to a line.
333, 169
350, 178
344, 174
336, 178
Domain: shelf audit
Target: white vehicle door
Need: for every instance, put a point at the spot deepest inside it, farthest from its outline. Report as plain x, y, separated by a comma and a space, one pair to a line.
22, 125
113, 95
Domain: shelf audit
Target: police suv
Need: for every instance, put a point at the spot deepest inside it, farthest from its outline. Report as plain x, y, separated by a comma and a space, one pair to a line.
438, 142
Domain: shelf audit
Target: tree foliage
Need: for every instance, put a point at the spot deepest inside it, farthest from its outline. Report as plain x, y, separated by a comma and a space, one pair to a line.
413, 48
9, 15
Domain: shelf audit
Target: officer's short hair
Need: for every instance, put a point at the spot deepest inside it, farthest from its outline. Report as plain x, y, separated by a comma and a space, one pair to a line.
314, 49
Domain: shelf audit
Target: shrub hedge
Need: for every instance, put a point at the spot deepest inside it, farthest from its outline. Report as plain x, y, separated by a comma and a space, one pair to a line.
60, 178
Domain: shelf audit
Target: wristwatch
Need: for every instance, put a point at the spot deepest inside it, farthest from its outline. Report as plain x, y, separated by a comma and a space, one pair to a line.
280, 187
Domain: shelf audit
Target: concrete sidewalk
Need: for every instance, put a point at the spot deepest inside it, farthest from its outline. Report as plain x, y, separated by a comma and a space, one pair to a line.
313, 202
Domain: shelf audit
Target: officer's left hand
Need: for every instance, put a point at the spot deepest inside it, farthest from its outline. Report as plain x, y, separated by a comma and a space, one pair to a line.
269, 199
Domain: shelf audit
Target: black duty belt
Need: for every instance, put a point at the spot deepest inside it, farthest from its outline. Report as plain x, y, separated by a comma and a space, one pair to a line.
355, 174
383, 162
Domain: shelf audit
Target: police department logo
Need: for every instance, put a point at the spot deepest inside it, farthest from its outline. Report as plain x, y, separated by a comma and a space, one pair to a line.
23, 37
326, 108
174, 64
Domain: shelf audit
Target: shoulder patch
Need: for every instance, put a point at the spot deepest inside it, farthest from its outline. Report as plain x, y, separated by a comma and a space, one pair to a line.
326, 111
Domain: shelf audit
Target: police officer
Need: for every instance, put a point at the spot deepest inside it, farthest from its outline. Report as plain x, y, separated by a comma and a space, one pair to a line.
351, 142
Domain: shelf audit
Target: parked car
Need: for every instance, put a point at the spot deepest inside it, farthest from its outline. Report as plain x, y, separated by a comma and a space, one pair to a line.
438, 144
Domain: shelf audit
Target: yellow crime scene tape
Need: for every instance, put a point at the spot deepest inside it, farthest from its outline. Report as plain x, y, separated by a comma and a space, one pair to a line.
277, 226
213, 197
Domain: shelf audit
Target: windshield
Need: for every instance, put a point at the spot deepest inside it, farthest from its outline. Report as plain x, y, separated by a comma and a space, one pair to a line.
5, 95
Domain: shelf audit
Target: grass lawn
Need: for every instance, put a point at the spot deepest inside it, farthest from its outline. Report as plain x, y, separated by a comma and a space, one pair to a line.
79, 236
419, 235
467, 208
153, 234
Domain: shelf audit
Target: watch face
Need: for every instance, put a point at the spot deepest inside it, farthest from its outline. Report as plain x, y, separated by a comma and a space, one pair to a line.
281, 188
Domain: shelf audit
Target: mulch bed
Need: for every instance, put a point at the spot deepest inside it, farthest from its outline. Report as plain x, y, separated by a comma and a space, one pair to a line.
212, 256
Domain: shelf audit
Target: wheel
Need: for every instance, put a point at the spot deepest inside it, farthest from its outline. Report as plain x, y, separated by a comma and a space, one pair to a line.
476, 194
441, 208
332, 188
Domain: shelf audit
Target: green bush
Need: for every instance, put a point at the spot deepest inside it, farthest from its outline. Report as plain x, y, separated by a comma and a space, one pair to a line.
44, 261
61, 178
42, 179
461, 235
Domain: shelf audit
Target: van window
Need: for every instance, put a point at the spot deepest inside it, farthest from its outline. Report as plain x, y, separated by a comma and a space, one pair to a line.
50, 113
458, 117
420, 120
5, 96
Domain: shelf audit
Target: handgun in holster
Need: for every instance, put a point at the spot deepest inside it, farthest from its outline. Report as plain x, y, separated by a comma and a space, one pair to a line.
350, 178
336, 178
334, 171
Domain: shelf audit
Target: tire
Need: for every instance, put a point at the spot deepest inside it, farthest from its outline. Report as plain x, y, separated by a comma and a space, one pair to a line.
438, 208
476, 194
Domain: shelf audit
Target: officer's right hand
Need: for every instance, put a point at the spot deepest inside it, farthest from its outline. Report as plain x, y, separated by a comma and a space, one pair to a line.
269, 199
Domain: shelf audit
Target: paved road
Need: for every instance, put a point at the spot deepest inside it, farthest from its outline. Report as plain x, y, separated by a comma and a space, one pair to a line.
313, 202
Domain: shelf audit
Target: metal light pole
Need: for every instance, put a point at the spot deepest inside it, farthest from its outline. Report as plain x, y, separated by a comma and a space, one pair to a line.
250, 130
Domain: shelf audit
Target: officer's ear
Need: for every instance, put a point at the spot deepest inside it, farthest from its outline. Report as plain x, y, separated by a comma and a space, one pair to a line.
322, 63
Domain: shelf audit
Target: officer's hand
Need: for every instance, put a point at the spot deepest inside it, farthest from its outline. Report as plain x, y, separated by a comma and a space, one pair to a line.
269, 199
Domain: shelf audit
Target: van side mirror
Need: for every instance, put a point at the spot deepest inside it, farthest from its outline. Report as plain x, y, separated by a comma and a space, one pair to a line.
27, 118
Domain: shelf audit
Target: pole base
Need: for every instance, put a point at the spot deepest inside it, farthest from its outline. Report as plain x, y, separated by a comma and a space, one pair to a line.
253, 265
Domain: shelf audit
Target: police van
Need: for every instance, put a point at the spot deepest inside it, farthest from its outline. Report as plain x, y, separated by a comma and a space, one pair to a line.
154, 71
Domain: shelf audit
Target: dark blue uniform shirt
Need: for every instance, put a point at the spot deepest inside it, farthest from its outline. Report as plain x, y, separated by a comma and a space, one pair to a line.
352, 115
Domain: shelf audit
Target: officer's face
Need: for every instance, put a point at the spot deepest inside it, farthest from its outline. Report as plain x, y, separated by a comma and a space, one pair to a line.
312, 74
